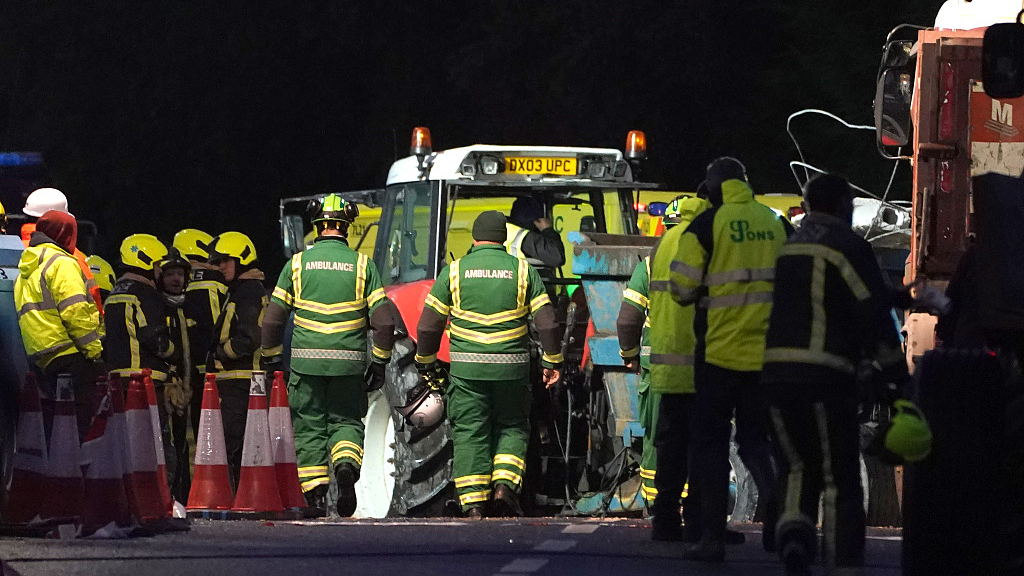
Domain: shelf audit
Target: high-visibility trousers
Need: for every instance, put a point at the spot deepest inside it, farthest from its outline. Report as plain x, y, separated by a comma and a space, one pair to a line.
649, 402
490, 421
327, 415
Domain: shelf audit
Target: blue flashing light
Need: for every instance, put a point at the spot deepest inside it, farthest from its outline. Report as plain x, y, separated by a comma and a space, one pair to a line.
21, 159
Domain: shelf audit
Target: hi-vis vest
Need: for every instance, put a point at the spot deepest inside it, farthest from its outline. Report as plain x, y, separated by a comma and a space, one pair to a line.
514, 236
332, 289
56, 315
672, 337
489, 295
729, 251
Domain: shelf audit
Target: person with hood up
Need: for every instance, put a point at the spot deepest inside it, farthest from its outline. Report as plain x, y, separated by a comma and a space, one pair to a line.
60, 325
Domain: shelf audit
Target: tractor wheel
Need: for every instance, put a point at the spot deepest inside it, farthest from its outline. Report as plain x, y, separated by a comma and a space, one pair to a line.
419, 462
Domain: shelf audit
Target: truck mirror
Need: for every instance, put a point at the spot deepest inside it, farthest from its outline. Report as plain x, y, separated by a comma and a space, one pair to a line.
898, 54
893, 96
1002, 60
292, 234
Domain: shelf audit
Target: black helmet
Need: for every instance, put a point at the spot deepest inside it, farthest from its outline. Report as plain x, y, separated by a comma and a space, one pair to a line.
174, 259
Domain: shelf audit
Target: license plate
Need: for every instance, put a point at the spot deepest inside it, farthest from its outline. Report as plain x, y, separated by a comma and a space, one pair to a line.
555, 166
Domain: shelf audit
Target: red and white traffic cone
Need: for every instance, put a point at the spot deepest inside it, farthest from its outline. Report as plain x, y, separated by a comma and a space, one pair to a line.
211, 489
64, 471
118, 425
142, 459
29, 488
282, 439
158, 439
257, 482
105, 498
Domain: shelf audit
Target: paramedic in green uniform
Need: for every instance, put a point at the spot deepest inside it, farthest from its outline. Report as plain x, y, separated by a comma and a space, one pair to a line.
489, 296
337, 296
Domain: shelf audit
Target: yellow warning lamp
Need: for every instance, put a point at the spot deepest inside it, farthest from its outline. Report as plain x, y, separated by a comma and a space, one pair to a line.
636, 145
420, 145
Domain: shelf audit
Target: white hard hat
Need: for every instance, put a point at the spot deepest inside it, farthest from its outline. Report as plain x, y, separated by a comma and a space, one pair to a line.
43, 200
426, 408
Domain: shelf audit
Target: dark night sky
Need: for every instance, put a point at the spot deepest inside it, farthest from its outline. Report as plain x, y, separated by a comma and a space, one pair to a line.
155, 117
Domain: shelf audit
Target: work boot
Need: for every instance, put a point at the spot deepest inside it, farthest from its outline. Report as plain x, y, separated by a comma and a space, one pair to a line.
316, 501
666, 532
474, 513
505, 502
705, 551
346, 476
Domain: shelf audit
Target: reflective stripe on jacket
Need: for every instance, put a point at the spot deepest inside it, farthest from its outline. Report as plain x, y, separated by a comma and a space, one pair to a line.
729, 252
55, 313
28, 228
239, 338
636, 295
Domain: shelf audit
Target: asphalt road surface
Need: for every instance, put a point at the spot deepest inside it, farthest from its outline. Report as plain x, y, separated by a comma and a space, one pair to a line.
530, 546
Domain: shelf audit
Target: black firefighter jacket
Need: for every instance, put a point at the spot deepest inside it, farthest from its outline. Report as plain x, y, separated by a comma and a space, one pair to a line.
238, 332
136, 327
831, 309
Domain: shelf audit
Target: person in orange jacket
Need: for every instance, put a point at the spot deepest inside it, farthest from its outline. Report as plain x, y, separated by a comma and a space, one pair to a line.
38, 203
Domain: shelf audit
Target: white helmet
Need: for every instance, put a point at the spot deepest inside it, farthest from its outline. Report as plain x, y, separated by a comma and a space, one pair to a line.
426, 407
43, 200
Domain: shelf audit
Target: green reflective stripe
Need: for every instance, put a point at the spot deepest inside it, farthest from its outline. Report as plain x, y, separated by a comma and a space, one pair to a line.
489, 358
834, 257
72, 300
672, 359
740, 275
731, 300
803, 356
691, 272
328, 354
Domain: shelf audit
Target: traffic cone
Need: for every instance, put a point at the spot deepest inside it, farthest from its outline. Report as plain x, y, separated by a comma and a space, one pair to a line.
211, 489
257, 482
282, 440
145, 474
105, 498
158, 438
118, 425
64, 471
28, 479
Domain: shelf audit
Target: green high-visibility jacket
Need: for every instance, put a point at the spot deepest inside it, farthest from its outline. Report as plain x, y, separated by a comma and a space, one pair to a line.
333, 290
636, 295
729, 251
489, 296
672, 336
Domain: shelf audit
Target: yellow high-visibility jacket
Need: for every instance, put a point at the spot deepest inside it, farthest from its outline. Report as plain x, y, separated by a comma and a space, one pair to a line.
728, 253
672, 337
56, 315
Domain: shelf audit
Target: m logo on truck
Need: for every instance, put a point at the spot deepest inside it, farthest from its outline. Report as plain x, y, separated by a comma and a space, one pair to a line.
1002, 119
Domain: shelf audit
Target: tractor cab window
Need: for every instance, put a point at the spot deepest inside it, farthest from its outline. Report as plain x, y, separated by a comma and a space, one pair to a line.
403, 249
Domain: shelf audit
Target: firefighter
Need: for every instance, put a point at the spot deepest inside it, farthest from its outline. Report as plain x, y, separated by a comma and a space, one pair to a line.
831, 306
103, 272
136, 323
529, 234
41, 201
204, 293
337, 297
178, 392
726, 260
633, 327
60, 326
489, 295
236, 350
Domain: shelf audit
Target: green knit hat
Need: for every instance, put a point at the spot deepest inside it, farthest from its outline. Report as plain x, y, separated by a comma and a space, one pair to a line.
489, 227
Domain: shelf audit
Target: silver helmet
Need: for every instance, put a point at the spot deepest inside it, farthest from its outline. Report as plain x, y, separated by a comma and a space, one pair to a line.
425, 408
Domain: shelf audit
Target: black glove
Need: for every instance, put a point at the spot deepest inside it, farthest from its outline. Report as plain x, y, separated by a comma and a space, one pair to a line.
375, 376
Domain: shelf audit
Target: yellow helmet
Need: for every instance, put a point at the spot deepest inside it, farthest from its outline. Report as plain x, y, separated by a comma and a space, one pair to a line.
142, 251
193, 243
102, 271
233, 245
